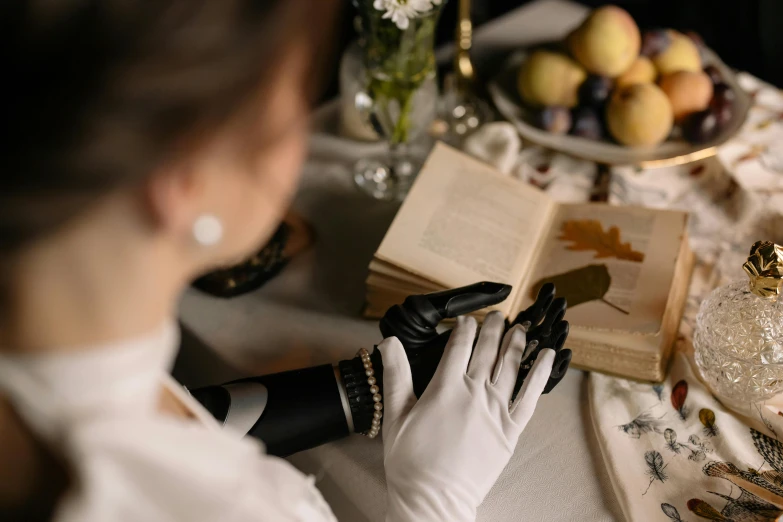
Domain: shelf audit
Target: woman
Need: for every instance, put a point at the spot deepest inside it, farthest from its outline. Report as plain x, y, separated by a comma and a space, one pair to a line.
145, 143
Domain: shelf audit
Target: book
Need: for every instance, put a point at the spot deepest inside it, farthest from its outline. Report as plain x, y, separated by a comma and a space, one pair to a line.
624, 270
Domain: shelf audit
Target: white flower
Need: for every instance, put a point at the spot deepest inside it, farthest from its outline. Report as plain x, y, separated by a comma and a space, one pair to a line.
402, 11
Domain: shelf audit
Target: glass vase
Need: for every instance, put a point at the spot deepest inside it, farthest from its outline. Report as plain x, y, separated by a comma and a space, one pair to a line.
397, 97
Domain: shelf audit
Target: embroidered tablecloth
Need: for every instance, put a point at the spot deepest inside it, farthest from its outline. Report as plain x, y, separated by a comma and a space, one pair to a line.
673, 451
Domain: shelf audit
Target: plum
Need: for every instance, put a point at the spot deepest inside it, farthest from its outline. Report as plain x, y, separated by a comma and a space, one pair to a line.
722, 103
701, 127
595, 90
556, 120
587, 123
655, 41
714, 74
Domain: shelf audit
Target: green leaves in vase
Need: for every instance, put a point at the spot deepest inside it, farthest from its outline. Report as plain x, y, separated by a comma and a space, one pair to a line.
398, 60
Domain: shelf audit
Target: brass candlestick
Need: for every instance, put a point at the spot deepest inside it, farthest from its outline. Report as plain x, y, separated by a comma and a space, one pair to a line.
462, 111
463, 66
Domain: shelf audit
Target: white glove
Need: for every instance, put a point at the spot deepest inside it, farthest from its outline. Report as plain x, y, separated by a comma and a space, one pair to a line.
444, 452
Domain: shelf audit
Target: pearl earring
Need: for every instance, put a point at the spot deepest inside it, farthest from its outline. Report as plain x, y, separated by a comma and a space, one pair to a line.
207, 230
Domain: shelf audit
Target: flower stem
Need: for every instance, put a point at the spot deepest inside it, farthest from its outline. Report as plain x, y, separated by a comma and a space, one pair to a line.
401, 129
398, 63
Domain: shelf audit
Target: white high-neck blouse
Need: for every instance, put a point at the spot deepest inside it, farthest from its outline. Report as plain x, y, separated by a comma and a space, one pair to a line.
98, 406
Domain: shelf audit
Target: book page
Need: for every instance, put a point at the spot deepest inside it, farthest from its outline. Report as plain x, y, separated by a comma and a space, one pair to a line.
464, 222
615, 265
394, 272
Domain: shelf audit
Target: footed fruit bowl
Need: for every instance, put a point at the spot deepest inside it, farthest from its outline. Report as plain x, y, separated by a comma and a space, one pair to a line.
503, 89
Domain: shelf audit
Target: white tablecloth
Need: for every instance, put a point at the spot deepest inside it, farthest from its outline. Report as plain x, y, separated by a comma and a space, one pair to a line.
310, 314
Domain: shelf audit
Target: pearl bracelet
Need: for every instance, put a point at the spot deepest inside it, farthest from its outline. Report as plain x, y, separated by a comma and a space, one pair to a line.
375, 428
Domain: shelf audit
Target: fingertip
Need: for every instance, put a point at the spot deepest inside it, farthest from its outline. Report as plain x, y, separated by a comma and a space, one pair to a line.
519, 335
466, 325
517, 339
562, 361
494, 322
470, 321
494, 315
546, 358
390, 343
391, 349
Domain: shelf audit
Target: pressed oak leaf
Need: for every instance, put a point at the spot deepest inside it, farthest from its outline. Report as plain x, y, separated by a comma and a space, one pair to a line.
589, 234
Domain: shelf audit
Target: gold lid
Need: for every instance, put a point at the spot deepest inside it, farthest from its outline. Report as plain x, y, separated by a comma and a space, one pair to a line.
765, 268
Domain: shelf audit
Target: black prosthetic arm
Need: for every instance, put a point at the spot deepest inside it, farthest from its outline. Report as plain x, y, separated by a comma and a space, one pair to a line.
289, 411
301, 409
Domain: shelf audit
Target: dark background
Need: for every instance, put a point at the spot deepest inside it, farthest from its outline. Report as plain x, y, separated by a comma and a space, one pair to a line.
746, 34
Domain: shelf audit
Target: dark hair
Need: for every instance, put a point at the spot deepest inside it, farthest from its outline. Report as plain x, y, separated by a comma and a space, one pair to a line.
97, 93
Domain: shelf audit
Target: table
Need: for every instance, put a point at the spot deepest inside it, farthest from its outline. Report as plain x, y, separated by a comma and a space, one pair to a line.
310, 314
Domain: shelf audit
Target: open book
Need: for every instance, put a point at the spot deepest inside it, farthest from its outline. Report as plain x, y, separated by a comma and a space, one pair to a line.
624, 270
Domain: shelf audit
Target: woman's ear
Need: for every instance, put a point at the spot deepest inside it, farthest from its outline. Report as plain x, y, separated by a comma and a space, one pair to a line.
169, 198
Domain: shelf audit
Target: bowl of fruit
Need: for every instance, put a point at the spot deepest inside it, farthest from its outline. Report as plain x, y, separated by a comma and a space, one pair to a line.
609, 93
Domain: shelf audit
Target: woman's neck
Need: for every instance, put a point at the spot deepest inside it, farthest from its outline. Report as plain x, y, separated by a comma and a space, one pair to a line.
89, 284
